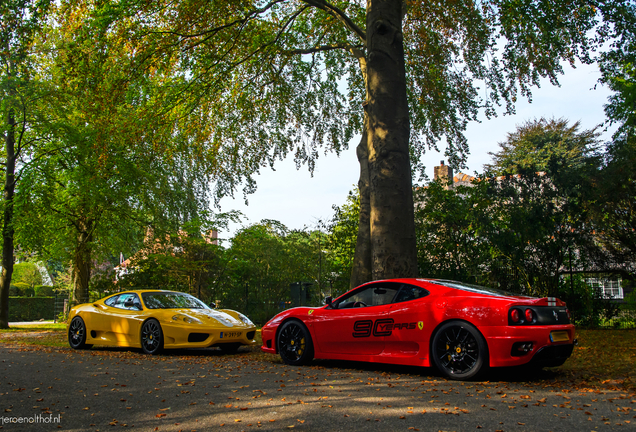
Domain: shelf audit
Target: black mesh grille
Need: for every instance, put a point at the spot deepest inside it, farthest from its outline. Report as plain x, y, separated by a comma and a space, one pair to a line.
250, 335
197, 337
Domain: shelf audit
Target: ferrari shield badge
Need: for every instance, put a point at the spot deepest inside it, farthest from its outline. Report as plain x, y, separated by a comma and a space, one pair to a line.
310, 311
420, 325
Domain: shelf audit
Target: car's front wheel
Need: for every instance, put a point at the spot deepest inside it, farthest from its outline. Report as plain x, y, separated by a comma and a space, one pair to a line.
294, 343
77, 334
459, 350
151, 337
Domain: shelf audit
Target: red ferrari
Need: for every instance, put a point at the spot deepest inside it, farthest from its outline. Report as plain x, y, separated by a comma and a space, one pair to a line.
459, 328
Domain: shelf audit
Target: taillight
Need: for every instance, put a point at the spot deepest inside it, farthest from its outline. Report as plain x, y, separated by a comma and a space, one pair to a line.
529, 315
515, 315
567, 311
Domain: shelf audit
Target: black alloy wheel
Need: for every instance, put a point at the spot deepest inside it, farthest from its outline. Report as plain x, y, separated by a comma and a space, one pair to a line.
294, 343
151, 337
77, 334
459, 351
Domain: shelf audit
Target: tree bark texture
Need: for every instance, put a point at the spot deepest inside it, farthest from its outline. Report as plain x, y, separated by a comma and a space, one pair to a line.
392, 225
361, 271
7, 228
82, 262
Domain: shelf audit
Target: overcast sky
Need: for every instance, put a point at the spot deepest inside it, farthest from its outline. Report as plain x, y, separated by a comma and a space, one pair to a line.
298, 200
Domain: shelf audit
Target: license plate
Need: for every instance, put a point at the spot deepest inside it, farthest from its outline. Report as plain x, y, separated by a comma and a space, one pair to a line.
225, 335
559, 336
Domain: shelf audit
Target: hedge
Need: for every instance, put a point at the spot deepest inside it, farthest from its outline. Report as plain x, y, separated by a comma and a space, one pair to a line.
31, 308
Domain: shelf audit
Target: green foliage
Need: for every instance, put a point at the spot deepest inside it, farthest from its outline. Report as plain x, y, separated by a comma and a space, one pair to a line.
538, 143
450, 231
614, 209
618, 71
588, 306
28, 273
253, 275
44, 291
518, 232
31, 308
341, 241
263, 261
21, 289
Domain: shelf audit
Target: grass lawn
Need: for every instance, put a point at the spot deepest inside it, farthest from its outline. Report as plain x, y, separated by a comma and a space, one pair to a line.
603, 358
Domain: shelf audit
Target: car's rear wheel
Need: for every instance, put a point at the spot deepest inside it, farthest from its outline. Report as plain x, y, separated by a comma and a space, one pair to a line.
151, 337
229, 348
77, 334
294, 343
459, 351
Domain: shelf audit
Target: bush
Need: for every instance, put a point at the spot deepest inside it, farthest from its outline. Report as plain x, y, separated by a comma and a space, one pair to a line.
21, 289
588, 307
44, 291
31, 308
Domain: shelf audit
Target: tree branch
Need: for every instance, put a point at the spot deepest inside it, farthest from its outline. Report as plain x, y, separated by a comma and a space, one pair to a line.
329, 47
340, 16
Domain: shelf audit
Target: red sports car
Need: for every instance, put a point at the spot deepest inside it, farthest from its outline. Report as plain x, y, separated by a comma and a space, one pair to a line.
459, 328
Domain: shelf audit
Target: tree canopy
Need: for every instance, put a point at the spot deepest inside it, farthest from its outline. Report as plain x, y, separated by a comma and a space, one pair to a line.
538, 143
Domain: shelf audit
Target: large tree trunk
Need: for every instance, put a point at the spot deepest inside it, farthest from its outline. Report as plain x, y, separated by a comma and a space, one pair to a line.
7, 228
392, 224
82, 261
361, 271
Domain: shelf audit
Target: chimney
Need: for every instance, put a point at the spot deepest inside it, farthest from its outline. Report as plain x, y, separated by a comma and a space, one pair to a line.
444, 172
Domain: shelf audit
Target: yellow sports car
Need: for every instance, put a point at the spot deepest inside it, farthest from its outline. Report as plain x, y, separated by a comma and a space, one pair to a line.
156, 319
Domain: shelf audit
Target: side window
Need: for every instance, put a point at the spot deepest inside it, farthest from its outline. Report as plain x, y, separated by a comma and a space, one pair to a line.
410, 292
124, 301
384, 294
372, 295
112, 301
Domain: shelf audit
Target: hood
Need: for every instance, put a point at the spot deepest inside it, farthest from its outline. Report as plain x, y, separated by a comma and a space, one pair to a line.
211, 316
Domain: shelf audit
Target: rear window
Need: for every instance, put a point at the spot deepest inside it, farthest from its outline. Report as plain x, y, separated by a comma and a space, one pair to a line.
476, 288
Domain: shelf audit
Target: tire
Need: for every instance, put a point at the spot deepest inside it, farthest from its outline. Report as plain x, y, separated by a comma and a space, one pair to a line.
151, 337
229, 348
77, 334
294, 343
459, 351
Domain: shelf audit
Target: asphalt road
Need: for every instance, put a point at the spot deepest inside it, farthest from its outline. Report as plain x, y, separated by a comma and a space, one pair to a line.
110, 389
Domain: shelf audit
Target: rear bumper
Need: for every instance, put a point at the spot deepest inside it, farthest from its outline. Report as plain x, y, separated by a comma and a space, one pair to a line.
550, 356
500, 340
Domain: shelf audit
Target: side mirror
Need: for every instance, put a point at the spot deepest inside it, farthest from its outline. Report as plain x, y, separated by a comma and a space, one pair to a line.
328, 300
212, 305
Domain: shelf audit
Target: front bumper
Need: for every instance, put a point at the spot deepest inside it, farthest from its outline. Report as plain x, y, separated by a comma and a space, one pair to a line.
268, 334
179, 336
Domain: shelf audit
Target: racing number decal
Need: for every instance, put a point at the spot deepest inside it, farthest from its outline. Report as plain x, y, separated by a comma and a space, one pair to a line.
362, 328
381, 327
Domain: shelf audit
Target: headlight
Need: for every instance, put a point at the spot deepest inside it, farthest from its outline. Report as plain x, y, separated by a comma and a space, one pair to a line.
185, 318
245, 319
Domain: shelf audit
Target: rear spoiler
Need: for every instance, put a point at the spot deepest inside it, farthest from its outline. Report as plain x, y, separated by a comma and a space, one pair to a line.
549, 301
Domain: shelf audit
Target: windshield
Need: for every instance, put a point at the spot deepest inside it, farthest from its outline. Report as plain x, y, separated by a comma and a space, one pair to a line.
172, 300
476, 288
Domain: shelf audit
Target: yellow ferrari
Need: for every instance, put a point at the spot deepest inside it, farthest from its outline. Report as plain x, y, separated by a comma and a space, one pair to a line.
155, 319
